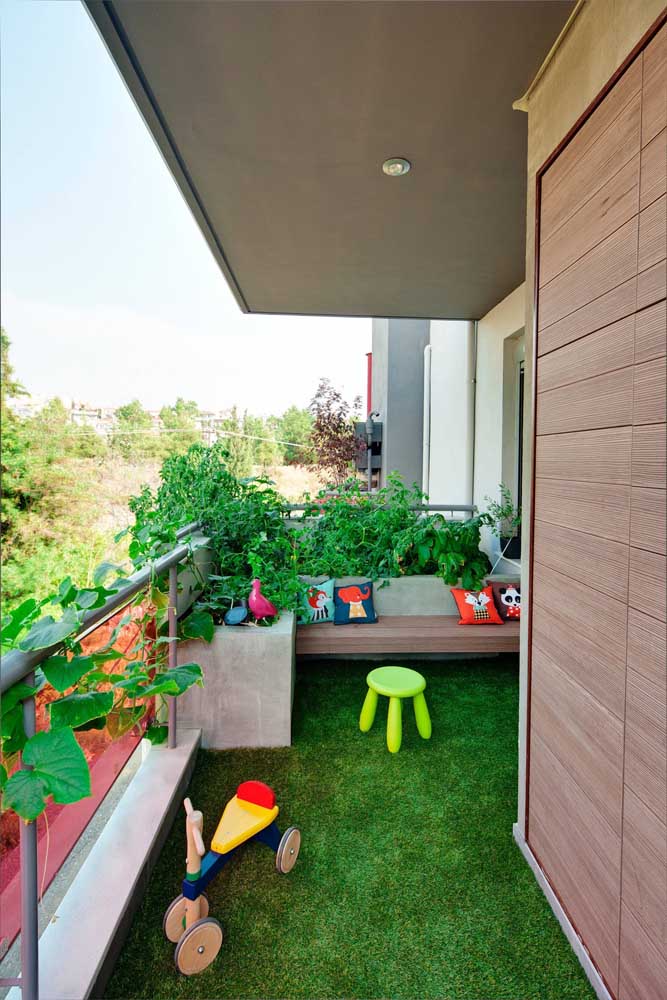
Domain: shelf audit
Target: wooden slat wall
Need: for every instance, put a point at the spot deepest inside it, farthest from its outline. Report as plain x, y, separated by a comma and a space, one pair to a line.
597, 795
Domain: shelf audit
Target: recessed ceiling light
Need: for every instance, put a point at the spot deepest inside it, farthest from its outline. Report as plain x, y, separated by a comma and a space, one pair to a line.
396, 166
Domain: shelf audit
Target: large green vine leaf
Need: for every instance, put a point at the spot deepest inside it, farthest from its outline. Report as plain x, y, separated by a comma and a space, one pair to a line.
14, 623
171, 682
198, 625
47, 631
76, 709
15, 694
60, 769
63, 673
25, 792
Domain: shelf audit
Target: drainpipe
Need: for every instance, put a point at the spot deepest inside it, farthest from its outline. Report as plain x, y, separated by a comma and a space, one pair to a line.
426, 447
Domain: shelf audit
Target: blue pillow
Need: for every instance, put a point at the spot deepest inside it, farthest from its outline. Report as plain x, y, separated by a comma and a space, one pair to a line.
354, 604
317, 603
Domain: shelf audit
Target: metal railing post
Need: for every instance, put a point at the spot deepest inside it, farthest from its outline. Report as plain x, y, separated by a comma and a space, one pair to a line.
29, 902
173, 652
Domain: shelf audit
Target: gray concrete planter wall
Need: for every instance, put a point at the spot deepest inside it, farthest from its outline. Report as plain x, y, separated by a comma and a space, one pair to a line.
411, 595
192, 578
248, 688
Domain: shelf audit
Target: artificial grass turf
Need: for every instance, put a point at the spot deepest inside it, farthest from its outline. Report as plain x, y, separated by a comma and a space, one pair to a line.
408, 884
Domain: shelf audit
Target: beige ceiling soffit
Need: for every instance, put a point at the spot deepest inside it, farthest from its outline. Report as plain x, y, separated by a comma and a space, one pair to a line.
522, 103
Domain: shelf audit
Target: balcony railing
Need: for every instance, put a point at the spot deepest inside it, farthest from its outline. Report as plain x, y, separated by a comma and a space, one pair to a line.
20, 666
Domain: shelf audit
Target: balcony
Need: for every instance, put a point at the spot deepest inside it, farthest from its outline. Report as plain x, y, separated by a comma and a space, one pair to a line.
405, 856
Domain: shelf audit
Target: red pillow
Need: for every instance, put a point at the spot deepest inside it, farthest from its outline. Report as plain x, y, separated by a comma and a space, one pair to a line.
476, 607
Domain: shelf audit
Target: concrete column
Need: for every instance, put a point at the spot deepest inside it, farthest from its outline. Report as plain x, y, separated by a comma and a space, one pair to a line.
398, 393
452, 411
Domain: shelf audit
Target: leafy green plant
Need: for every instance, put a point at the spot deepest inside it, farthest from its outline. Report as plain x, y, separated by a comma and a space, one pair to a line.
343, 531
449, 549
92, 696
354, 532
245, 520
502, 516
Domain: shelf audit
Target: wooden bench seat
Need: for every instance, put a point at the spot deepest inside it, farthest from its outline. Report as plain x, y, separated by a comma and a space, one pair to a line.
408, 634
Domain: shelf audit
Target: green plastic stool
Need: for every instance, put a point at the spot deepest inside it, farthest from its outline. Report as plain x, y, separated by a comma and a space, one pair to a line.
395, 683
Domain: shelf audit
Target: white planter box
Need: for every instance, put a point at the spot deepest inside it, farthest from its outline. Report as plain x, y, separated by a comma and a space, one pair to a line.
248, 688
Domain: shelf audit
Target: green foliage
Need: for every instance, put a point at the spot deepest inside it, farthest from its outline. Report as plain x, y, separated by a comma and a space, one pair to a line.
296, 426
180, 422
134, 435
49, 466
450, 549
238, 450
502, 516
91, 697
347, 532
381, 534
264, 449
198, 625
59, 769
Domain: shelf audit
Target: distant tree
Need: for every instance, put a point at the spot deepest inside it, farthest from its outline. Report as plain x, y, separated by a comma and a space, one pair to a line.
180, 421
333, 434
13, 460
265, 451
238, 448
133, 434
8, 384
47, 515
296, 426
87, 443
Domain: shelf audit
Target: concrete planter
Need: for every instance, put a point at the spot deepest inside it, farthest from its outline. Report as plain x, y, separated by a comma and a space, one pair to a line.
248, 688
192, 579
411, 595
403, 595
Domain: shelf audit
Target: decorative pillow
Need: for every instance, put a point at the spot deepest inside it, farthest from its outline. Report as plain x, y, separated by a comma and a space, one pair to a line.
317, 603
476, 607
354, 604
508, 600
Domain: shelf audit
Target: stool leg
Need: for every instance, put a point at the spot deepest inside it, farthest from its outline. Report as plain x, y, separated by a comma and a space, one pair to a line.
394, 725
422, 718
368, 710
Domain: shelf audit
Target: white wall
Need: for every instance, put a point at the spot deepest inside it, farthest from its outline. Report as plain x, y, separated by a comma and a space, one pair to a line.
495, 400
451, 412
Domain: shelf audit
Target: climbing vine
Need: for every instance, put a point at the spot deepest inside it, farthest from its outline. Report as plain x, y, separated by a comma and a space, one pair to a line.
105, 689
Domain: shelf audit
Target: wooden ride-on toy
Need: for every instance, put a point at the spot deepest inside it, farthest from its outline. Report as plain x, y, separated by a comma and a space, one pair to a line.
249, 815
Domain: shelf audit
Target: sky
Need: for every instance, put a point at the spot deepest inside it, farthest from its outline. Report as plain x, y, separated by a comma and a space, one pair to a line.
109, 292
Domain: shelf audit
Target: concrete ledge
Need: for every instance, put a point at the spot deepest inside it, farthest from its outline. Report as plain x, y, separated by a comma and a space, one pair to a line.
577, 944
80, 946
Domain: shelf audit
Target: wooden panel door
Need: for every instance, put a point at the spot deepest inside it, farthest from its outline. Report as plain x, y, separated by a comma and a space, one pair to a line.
597, 771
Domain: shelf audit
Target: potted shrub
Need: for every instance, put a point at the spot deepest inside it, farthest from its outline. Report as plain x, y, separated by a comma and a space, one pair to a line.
504, 520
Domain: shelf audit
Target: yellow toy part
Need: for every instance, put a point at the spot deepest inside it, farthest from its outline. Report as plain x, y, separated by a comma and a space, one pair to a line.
240, 821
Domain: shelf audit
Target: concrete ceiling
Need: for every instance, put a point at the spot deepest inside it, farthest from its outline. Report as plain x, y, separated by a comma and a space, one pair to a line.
275, 118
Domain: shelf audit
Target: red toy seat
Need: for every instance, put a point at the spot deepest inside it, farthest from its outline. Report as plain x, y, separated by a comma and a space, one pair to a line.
256, 792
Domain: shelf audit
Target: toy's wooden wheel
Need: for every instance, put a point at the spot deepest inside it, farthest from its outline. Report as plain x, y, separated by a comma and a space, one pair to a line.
198, 946
288, 850
173, 922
